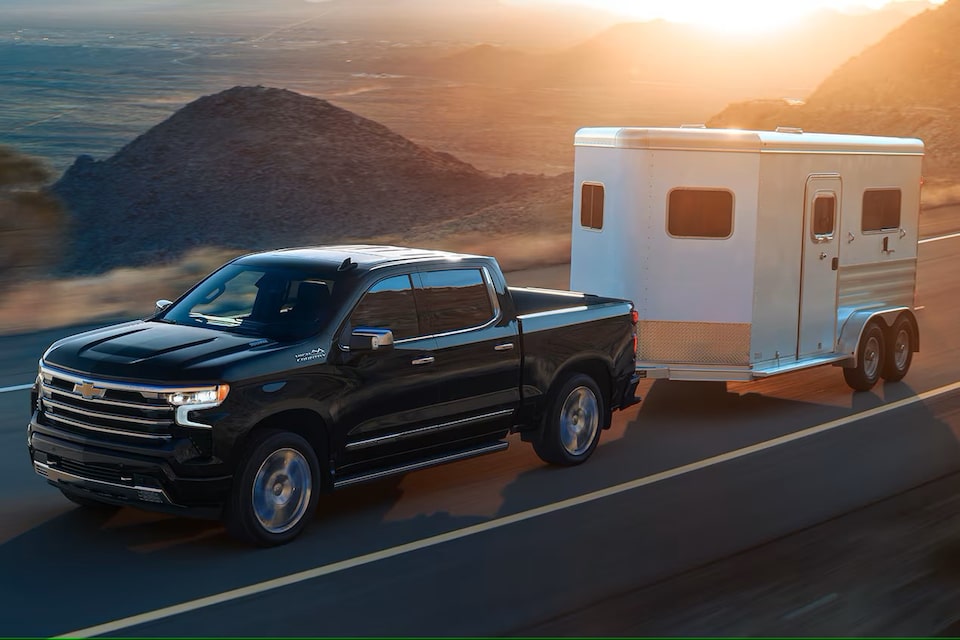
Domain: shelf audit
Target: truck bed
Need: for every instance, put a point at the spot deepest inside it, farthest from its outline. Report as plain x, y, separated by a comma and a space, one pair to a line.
530, 300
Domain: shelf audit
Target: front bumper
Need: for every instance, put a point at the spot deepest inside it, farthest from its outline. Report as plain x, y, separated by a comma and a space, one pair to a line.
123, 477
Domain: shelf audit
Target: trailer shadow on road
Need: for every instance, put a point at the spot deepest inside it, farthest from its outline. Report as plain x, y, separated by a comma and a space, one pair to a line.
674, 526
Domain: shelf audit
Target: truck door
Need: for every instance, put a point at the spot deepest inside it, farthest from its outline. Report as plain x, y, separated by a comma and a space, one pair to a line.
478, 352
391, 392
817, 332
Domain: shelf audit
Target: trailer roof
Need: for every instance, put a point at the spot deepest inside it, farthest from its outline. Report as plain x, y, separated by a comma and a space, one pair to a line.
780, 141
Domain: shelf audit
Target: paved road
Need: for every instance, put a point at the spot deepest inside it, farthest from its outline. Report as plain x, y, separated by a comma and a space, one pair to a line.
500, 544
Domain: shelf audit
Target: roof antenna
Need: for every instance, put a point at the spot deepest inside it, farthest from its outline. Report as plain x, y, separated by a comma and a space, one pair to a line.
347, 264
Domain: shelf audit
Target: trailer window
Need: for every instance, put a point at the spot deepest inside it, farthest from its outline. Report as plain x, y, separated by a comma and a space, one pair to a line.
700, 213
881, 210
591, 205
824, 216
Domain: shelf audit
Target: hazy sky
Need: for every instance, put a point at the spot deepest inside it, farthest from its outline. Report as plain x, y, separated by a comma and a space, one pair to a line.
731, 15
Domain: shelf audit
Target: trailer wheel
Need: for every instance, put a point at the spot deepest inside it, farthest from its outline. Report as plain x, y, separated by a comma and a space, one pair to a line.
572, 424
275, 490
870, 360
900, 355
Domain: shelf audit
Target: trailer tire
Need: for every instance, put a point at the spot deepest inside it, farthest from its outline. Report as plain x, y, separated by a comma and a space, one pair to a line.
900, 354
572, 423
870, 359
275, 489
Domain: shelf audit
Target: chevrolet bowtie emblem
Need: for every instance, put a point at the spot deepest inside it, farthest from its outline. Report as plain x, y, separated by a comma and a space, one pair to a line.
89, 391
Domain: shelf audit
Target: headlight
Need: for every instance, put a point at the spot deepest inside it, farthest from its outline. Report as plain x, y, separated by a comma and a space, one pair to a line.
211, 395
194, 400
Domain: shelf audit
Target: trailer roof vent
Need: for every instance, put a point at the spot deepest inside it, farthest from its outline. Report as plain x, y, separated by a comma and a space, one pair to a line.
693, 126
789, 130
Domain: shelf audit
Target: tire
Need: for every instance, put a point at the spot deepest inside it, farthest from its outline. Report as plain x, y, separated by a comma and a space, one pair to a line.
900, 354
870, 360
571, 426
275, 489
88, 503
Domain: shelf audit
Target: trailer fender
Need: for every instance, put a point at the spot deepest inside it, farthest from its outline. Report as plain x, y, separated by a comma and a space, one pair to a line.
849, 341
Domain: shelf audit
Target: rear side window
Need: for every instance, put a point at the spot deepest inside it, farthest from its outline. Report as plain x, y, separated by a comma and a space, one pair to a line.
700, 213
591, 205
881, 210
389, 304
453, 299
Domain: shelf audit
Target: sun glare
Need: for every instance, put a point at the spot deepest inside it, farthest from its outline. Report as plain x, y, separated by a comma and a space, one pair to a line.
731, 16
735, 16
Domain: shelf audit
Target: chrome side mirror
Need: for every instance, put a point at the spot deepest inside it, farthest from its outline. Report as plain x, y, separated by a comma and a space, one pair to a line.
371, 339
163, 304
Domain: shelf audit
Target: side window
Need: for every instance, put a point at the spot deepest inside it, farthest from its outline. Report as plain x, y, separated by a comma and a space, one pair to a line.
591, 205
454, 299
700, 213
388, 304
881, 210
824, 216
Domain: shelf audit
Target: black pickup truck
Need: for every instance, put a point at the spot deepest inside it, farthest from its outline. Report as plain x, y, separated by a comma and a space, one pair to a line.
288, 373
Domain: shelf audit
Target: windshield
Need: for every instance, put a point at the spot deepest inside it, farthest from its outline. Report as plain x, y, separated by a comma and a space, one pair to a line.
266, 302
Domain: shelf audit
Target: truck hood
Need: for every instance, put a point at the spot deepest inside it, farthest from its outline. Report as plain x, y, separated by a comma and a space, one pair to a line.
153, 351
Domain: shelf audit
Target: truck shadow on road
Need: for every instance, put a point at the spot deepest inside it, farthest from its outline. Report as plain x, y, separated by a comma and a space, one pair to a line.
96, 556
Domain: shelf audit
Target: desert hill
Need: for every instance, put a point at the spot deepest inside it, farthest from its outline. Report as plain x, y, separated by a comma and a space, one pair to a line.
255, 167
905, 85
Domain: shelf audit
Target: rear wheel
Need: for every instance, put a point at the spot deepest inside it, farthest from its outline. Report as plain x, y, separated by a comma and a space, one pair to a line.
900, 354
571, 427
275, 490
870, 360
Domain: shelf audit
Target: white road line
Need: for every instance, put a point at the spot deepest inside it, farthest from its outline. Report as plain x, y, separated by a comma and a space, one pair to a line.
934, 239
343, 565
19, 387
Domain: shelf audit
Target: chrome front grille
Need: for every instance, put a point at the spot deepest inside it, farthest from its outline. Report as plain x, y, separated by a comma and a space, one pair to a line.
90, 406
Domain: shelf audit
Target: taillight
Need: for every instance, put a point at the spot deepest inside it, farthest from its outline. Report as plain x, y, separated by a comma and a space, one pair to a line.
634, 316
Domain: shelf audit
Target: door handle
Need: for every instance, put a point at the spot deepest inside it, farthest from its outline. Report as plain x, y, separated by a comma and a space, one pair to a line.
506, 346
424, 360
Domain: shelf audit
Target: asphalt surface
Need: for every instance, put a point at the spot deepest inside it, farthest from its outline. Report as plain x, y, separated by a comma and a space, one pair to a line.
685, 520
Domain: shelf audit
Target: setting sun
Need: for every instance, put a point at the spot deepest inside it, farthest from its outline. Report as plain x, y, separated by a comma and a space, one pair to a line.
732, 16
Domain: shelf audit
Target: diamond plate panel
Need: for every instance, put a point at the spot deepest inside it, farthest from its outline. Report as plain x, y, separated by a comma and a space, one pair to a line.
694, 342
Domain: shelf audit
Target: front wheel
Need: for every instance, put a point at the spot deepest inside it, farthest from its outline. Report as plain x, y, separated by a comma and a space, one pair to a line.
870, 360
275, 490
571, 427
901, 351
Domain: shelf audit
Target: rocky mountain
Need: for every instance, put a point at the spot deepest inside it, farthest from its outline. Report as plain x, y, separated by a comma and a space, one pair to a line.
256, 167
907, 84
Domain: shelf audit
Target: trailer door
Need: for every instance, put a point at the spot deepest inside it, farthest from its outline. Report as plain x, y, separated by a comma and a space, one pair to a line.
817, 331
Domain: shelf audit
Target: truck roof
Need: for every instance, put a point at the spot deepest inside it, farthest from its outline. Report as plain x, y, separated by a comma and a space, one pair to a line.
783, 140
364, 255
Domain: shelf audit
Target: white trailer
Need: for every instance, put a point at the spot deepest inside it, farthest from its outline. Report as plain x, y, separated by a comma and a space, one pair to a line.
752, 253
